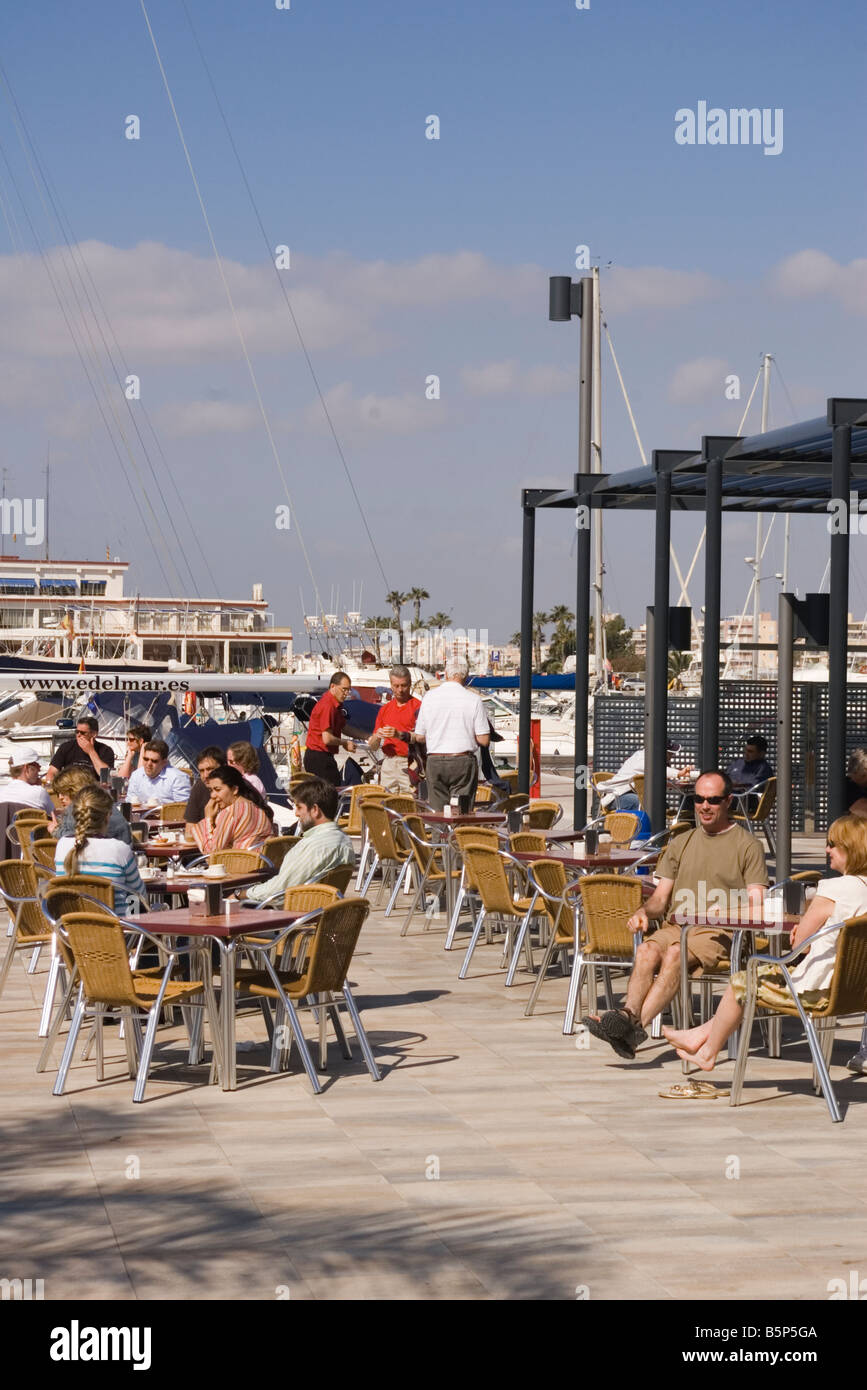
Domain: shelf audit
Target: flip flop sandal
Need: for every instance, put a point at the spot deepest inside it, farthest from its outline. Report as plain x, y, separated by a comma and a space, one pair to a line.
615, 1029
694, 1090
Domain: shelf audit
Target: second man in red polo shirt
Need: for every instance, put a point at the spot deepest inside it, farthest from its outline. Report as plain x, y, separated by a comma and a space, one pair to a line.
397, 716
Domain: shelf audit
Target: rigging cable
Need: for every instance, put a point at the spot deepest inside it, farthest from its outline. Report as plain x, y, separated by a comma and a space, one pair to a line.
239, 330
285, 293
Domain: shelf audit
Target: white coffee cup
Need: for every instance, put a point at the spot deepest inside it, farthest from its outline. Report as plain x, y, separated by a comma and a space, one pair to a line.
215, 871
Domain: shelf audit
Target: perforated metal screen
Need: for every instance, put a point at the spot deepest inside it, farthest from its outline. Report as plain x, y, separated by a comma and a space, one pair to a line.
746, 707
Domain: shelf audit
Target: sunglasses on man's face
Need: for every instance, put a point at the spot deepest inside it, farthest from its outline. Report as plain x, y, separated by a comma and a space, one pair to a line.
711, 800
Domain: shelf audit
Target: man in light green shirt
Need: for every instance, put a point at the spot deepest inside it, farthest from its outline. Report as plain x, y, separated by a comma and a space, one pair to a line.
322, 846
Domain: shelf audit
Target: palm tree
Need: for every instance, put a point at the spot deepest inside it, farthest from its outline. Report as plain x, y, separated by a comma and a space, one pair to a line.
435, 623
540, 622
397, 600
564, 633
417, 597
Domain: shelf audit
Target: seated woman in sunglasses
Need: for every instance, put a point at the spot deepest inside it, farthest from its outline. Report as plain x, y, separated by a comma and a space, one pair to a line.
236, 817
836, 900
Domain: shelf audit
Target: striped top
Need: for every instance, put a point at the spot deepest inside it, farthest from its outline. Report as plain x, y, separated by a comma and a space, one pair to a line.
104, 858
239, 826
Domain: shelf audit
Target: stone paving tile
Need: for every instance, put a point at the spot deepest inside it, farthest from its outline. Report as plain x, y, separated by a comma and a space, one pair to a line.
559, 1168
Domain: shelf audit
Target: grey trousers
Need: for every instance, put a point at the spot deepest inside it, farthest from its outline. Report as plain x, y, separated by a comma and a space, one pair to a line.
448, 777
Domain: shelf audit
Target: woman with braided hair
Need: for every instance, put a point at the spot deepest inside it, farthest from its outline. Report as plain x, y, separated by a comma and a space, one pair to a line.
90, 851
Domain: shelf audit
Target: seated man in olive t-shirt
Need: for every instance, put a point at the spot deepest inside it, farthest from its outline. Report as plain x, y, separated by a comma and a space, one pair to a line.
716, 866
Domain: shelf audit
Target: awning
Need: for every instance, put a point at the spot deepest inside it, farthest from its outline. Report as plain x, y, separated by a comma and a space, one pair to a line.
22, 584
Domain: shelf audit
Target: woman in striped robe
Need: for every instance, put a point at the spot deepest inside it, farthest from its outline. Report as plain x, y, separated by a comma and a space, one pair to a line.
236, 817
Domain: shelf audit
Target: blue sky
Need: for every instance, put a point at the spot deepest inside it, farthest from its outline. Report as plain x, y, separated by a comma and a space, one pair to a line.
557, 128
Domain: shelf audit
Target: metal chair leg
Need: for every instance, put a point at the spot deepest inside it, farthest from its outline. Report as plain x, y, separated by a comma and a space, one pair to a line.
54, 975
572, 1000
363, 1041
540, 976
51, 1037
69, 1049
474, 939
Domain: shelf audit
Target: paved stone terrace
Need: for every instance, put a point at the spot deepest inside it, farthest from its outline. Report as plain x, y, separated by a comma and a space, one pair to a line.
557, 1168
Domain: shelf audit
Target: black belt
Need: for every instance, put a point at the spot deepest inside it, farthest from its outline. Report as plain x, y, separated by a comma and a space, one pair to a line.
467, 753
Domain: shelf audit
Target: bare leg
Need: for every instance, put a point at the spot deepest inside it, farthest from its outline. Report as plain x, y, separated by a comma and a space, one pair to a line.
648, 960
664, 988
688, 1039
724, 1022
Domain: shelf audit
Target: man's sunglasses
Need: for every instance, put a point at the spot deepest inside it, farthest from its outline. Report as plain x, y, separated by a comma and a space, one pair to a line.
711, 800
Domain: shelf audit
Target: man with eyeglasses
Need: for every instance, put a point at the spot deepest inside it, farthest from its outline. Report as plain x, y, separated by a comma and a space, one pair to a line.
696, 867
325, 731
156, 782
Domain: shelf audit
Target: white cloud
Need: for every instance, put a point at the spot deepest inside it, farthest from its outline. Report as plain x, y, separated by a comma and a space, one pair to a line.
627, 288
813, 272
406, 414
189, 418
508, 378
698, 379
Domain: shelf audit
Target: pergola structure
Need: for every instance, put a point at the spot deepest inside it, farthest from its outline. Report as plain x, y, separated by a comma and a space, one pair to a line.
818, 466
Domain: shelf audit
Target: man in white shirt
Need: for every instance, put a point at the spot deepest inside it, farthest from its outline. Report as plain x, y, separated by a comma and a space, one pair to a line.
617, 793
156, 782
452, 723
24, 787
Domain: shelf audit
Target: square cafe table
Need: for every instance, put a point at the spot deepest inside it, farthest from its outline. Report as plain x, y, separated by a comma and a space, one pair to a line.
226, 928
750, 920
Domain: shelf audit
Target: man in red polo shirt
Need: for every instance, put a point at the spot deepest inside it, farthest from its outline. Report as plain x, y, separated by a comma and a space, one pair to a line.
396, 716
325, 731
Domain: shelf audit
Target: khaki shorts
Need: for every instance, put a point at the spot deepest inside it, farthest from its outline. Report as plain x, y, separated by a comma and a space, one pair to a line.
773, 991
394, 775
708, 949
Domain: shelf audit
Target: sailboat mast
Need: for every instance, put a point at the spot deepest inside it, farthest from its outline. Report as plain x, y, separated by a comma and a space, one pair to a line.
766, 397
596, 456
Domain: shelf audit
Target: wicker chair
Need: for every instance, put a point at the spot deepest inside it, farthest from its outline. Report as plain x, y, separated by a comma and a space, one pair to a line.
622, 826
20, 831
596, 780
98, 945
547, 882
339, 877
387, 853
847, 995
429, 865
301, 897
352, 824
460, 838
276, 847
487, 868
73, 893
542, 815
30, 931
403, 805
332, 939
172, 811
236, 861
42, 850
761, 815
528, 842
607, 903
638, 788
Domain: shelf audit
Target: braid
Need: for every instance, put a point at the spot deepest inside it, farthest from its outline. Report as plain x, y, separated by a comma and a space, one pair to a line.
91, 810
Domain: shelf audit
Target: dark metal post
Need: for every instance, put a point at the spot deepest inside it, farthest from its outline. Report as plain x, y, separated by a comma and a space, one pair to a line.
785, 694
580, 768
838, 628
655, 759
528, 563
710, 651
